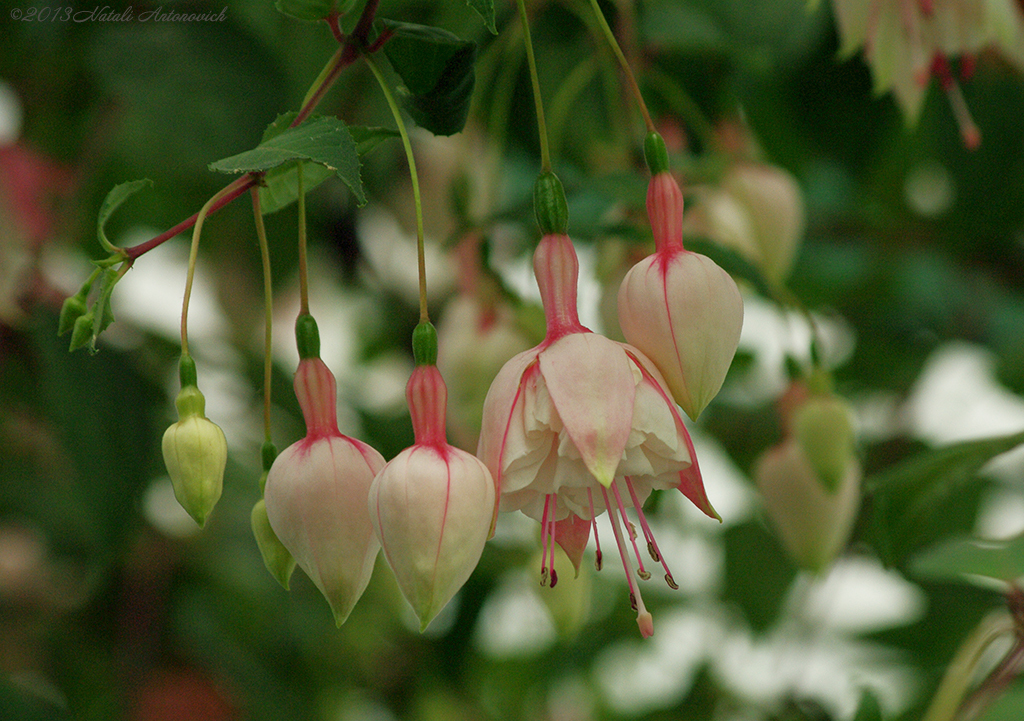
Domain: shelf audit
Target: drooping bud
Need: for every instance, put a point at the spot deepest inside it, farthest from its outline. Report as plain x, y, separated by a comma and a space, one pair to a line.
195, 449
432, 505
680, 308
72, 309
316, 489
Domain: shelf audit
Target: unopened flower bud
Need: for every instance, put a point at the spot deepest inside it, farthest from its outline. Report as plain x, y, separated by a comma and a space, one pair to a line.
680, 308
824, 430
72, 309
81, 332
195, 452
432, 505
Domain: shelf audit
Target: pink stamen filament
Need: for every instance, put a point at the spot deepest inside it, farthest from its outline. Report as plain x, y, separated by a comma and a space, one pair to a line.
636, 601
598, 556
652, 545
641, 571
544, 540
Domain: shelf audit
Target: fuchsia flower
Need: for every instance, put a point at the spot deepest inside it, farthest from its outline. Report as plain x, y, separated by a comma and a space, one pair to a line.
431, 506
679, 307
582, 424
316, 495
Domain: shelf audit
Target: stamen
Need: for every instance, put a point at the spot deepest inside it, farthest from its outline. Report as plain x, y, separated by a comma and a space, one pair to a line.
643, 618
641, 571
544, 540
652, 545
968, 129
552, 540
598, 556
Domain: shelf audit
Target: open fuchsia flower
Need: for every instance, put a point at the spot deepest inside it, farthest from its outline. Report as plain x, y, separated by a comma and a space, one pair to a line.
582, 424
317, 487
431, 506
680, 308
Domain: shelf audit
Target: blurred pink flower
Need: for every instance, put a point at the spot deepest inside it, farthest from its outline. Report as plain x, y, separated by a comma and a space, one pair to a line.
907, 42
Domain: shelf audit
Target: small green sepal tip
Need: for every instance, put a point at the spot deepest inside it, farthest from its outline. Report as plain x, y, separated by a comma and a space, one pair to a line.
187, 371
655, 153
307, 336
549, 205
424, 344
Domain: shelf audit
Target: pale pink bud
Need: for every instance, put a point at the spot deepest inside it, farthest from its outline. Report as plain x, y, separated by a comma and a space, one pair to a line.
431, 506
774, 205
580, 422
679, 308
316, 496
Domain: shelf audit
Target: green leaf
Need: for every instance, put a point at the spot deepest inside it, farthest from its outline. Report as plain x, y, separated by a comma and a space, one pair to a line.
437, 70
906, 498
971, 558
485, 8
280, 185
311, 10
322, 140
112, 202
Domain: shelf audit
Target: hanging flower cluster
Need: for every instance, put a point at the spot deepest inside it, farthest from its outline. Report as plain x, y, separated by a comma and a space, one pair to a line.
581, 424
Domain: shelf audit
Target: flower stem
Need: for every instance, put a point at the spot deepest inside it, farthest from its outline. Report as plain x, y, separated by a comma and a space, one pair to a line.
192, 254
420, 252
268, 308
626, 69
303, 263
542, 130
222, 198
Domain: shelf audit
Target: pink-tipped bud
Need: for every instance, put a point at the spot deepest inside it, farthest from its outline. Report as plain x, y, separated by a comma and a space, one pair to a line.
431, 506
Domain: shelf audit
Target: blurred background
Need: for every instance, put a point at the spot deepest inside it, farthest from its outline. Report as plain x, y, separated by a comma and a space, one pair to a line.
903, 245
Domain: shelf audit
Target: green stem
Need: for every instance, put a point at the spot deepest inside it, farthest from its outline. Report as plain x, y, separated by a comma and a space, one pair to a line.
303, 262
420, 252
542, 130
192, 255
268, 309
626, 69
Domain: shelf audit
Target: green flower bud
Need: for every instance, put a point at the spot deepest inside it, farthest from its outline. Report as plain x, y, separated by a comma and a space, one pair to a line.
81, 333
195, 452
823, 428
73, 309
307, 336
276, 557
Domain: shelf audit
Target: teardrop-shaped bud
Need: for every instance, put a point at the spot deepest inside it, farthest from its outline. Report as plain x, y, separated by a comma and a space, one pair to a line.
195, 453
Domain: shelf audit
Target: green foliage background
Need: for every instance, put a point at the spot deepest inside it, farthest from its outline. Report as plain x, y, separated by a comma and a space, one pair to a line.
128, 621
